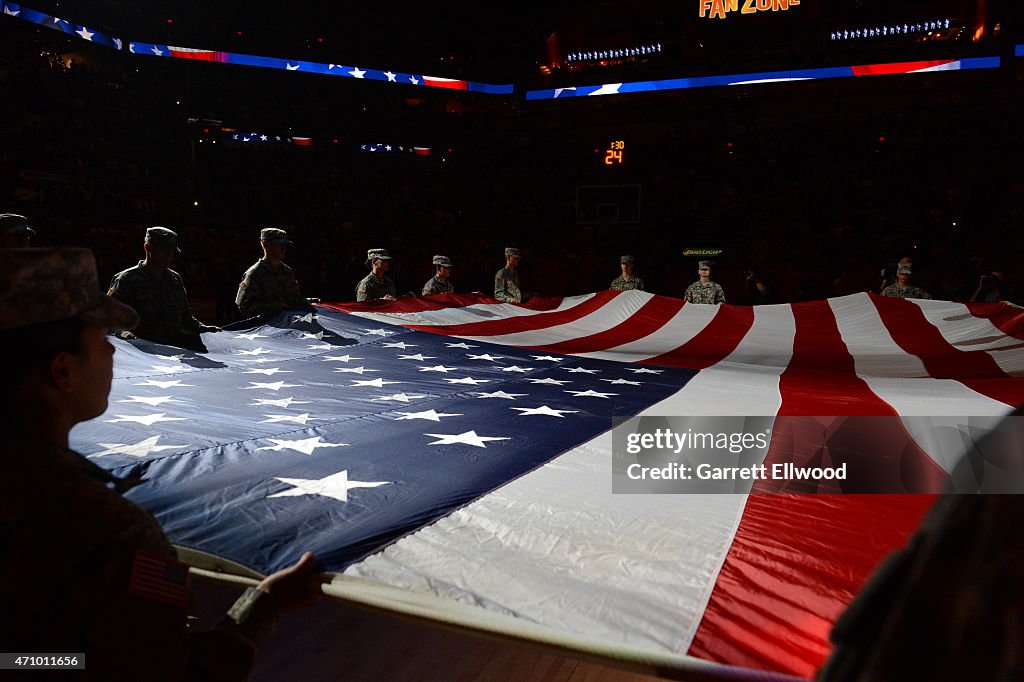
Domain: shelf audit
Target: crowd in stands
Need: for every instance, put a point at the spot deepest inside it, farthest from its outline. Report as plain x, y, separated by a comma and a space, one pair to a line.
815, 187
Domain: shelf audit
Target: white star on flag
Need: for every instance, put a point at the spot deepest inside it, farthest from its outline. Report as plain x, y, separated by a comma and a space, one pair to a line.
283, 402
157, 51
11, 12
644, 370
319, 346
400, 397
438, 368
468, 380
378, 383
85, 33
331, 66
398, 344
517, 368
624, 382
275, 386
419, 356
543, 409
117, 43
255, 351
319, 336
270, 371
140, 449
171, 369
290, 418
339, 358
412, 79
581, 370
164, 384
354, 370
550, 381
467, 438
380, 332
291, 67
262, 361
263, 138
357, 72
429, 415
590, 394
147, 420
387, 147
308, 317
467, 346
485, 356
152, 402
304, 445
335, 486
500, 394
390, 76
131, 47
547, 357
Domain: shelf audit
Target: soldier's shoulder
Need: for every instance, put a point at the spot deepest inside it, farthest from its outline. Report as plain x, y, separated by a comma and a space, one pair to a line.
132, 274
256, 267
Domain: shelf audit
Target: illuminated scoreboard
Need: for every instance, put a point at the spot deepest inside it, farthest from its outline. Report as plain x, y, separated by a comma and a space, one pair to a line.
613, 153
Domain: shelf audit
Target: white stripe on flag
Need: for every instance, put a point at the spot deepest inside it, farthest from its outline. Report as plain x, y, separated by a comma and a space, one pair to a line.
480, 312
680, 328
965, 331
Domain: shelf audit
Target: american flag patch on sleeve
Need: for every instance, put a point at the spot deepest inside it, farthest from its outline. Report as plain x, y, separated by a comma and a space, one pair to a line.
159, 578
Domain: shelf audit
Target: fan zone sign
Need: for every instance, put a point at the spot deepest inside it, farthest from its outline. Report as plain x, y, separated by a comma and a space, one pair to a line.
718, 9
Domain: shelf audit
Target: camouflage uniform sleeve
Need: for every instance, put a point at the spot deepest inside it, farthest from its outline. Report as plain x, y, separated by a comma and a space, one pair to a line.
428, 288
189, 323
688, 295
249, 294
719, 294
501, 287
361, 290
294, 293
614, 286
640, 286
392, 289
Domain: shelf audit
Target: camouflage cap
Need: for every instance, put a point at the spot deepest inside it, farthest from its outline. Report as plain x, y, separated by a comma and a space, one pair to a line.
443, 260
903, 269
626, 259
512, 251
704, 265
276, 235
162, 238
47, 285
377, 254
12, 223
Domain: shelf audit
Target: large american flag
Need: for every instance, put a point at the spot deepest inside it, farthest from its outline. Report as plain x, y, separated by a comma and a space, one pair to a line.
458, 449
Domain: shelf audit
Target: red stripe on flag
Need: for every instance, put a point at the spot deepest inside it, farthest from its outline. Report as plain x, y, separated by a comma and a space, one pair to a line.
713, 343
1006, 318
418, 304
450, 83
651, 316
900, 67
513, 325
778, 594
821, 378
975, 369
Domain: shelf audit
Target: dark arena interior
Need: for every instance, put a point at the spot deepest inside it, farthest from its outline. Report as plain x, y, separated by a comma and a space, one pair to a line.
809, 149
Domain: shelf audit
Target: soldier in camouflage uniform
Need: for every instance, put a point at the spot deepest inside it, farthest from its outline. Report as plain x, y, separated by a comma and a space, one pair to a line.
627, 281
158, 294
376, 285
71, 561
704, 290
269, 286
14, 231
902, 288
506, 280
440, 282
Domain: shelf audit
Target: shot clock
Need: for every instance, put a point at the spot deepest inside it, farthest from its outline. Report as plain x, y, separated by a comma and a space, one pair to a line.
613, 153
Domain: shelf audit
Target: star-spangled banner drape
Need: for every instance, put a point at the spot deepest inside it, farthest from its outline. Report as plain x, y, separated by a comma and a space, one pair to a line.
459, 447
